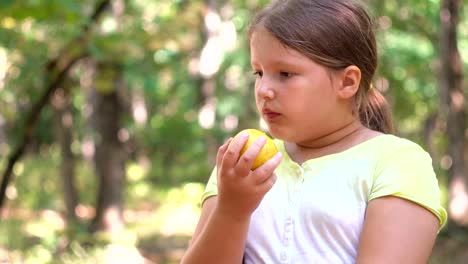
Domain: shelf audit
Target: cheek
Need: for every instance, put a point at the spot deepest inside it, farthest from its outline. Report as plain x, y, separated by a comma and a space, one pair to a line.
256, 94
256, 88
258, 102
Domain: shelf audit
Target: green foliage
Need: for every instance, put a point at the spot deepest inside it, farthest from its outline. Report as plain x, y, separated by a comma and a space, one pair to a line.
406, 53
33, 232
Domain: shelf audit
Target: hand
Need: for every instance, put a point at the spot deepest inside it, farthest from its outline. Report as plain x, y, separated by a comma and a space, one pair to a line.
240, 190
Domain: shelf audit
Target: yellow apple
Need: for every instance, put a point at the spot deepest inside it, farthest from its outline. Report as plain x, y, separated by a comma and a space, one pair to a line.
266, 153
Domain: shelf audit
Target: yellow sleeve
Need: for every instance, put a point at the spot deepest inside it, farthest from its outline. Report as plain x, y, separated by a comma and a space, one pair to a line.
211, 188
406, 171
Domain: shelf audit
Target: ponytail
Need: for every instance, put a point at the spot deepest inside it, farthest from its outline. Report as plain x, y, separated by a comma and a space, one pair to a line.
374, 111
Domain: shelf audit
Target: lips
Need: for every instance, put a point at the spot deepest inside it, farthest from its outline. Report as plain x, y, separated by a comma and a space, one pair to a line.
270, 114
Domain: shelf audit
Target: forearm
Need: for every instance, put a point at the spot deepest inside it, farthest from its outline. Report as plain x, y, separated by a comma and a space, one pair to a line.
223, 238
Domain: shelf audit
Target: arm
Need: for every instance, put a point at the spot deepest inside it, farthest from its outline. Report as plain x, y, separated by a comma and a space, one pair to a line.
224, 221
217, 236
207, 208
397, 231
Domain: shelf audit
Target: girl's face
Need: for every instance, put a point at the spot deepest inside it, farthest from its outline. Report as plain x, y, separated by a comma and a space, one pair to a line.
295, 96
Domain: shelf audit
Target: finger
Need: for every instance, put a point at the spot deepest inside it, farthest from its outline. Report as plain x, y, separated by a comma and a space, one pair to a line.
265, 186
264, 172
233, 151
222, 151
247, 159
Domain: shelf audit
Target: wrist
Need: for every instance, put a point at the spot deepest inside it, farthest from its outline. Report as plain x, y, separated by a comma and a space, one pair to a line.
229, 215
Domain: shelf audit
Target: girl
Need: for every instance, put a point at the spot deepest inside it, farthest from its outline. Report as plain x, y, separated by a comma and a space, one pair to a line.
342, 189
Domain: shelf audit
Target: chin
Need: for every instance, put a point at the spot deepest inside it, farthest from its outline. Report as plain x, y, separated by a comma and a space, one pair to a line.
278, 133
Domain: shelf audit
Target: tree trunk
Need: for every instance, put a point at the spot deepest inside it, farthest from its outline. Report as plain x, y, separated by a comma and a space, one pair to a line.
453, 107
57, 70
430, 128
64, 123
3, 136
109, 157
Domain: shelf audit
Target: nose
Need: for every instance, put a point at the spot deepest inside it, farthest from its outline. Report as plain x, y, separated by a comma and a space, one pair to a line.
264, 89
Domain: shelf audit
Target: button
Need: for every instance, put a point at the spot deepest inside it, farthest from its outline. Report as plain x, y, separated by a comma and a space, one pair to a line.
284, 257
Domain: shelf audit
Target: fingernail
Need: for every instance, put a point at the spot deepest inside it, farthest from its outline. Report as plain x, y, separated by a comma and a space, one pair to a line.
244, 134
278, 155
261, 139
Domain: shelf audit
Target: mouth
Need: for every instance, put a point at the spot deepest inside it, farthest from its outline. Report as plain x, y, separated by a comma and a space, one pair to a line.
269, 114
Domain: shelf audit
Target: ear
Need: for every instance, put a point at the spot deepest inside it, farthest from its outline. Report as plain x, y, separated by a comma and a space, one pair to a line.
350, 78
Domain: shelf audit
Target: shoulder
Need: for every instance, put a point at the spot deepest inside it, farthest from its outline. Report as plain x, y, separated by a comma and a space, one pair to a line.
404, 169
387, 146
390, 141
396, 155
392, 147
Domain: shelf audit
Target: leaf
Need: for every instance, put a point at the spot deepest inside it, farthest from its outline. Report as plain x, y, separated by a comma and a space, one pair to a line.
6, 3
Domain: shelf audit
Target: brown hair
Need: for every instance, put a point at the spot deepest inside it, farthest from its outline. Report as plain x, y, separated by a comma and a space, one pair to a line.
335, 34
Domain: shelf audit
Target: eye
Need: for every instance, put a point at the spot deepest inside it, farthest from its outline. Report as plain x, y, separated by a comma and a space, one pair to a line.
258, 73
285, 74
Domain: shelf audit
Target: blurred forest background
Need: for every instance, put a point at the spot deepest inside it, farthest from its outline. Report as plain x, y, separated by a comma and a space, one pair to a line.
111, 113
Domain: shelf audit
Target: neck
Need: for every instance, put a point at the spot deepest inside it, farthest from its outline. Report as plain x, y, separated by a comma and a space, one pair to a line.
341, 134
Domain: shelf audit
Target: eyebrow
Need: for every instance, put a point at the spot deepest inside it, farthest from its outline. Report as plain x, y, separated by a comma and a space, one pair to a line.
278, 63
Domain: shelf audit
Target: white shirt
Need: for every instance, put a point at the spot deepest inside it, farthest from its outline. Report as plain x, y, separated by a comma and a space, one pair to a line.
315, 212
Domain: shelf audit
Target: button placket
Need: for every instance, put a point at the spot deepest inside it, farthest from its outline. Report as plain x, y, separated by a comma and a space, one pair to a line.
285, 254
